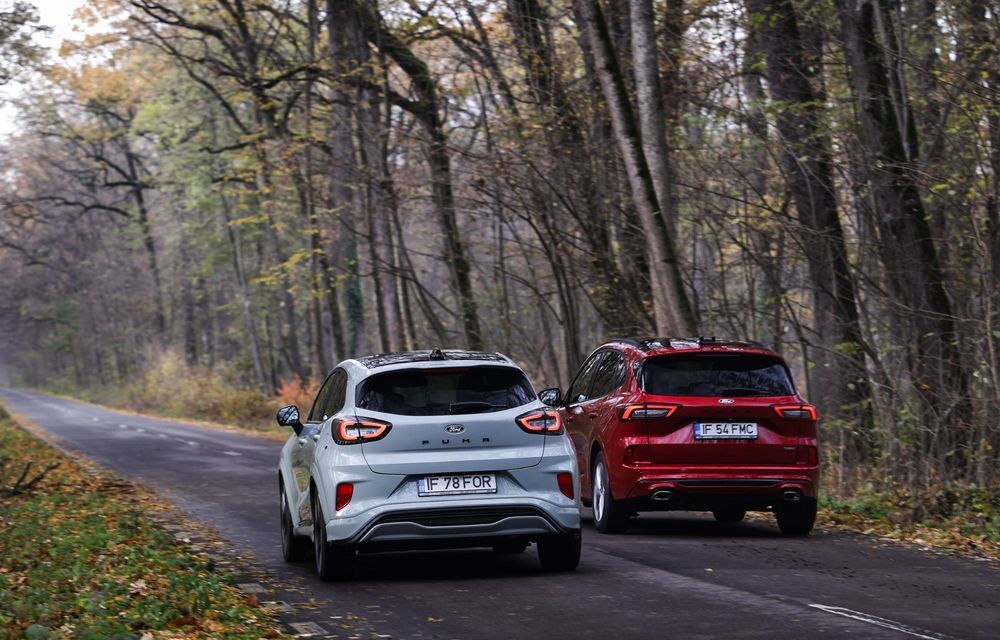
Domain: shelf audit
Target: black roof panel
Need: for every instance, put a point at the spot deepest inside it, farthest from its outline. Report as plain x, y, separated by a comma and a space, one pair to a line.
649, 344
435, 355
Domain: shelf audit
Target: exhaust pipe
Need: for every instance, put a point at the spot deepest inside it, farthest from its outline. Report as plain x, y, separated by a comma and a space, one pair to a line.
662, 496
791, 496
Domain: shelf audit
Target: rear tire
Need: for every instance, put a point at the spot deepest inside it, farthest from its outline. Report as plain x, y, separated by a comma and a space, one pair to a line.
293, 547
729, 515
333, 562
610, 515
560, 552
797, 518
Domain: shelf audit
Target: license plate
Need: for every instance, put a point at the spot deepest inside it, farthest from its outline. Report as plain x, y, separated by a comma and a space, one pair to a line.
457, 484
725, 430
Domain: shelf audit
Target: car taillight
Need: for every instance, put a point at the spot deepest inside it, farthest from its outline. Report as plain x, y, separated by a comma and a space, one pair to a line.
796, 411
540, 422
358, 430
565, 481
641, 411
345, 491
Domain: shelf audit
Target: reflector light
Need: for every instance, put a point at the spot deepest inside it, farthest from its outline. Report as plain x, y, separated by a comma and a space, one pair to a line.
565, 481
540, 422
360, 430
641, 411
345, 491
796, 411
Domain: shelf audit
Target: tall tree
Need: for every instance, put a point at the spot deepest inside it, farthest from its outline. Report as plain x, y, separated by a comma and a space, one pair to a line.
673, 310
808, 167
889, 147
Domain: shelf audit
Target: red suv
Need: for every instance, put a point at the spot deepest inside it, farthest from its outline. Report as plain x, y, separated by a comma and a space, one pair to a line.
701, 425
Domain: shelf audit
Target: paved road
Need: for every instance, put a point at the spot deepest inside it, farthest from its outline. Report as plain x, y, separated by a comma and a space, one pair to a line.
673, 575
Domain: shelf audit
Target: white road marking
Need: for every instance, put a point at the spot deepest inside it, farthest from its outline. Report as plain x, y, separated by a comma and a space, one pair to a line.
96, 419
232, 453
162, 435
191, 442
880, 622
140, 430
123, 426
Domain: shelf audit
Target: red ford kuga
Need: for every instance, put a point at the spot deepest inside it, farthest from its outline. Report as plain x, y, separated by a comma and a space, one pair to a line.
700, 425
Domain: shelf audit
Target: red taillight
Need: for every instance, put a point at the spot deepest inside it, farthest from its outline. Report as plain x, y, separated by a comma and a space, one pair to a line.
358, 430
540, 422
796, 411
565, 481
345, 491
641, 411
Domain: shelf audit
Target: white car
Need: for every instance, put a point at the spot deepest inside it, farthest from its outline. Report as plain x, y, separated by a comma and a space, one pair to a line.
427, 449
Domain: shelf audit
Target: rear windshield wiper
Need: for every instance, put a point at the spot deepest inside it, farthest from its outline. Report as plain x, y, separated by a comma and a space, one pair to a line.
473, 406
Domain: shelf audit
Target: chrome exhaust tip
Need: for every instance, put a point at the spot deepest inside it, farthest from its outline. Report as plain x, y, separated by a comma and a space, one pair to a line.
662, 496
791, 496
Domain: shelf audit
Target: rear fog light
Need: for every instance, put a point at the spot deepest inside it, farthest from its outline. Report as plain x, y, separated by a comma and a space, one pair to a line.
345, 491
565, 481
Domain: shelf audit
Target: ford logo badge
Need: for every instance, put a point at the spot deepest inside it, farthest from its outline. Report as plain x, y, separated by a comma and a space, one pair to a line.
726, 401
454, 428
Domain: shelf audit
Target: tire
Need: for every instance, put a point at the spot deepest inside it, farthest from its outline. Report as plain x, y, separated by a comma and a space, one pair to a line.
510, 546
729, 515
333, 562
560, 552
293, 547
610, 515
797, 518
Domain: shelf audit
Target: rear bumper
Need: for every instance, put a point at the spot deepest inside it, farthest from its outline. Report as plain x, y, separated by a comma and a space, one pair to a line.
705, 489
445, 524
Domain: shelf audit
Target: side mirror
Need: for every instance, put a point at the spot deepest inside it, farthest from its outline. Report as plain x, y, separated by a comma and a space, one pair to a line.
289, 417
551, 397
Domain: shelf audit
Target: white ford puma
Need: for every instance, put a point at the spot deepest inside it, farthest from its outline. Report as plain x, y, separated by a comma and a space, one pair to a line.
427, 449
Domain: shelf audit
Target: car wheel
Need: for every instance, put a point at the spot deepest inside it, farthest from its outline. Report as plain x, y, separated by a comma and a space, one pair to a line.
333, 562
293, 547
729, 515
510, 546
797, 518
610, 515
560, 552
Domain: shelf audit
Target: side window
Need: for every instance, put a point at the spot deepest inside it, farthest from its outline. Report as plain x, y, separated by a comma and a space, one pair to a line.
338, 394
316, 414
579, 390
609, 376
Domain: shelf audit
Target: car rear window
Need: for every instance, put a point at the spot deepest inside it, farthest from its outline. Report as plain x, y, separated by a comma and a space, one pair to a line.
440, 392
711, 374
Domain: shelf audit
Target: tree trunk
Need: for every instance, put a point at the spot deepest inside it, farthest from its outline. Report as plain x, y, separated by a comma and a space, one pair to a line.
672, 307
907, 247
808, 169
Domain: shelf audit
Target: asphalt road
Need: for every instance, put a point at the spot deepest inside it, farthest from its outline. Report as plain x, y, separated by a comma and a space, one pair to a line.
673, 575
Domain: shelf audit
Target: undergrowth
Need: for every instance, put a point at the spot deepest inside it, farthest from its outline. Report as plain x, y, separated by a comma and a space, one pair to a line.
962, 517
81, 558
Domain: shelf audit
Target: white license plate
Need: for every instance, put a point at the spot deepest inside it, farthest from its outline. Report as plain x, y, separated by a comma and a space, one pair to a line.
457, 484
725, 430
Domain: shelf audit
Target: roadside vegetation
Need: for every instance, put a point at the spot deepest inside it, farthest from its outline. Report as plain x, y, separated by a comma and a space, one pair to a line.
80, 557
965, 519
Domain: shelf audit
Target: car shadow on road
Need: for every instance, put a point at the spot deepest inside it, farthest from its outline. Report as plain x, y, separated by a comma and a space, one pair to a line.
692, 525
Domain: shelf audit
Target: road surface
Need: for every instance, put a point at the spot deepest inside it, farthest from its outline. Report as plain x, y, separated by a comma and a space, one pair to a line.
675, 575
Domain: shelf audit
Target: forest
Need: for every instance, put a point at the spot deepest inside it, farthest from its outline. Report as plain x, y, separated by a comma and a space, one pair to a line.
235, 195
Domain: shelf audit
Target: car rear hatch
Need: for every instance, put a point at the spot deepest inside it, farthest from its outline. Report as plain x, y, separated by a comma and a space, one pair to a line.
441, 424
725, 411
